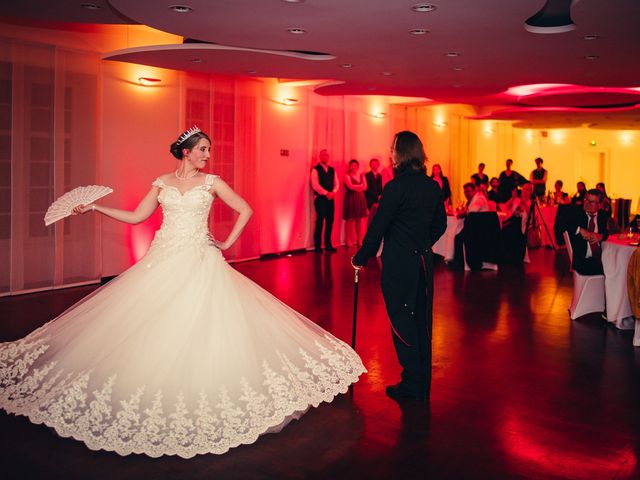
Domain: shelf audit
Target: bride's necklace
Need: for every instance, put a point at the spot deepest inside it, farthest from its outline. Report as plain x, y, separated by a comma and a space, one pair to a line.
195, 172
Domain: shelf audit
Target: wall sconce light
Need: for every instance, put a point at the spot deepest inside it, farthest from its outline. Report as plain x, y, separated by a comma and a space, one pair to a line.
440, 124
378, 114
289, 101
148, 81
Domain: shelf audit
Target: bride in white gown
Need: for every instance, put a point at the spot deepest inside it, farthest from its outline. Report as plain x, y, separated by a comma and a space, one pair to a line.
180, 354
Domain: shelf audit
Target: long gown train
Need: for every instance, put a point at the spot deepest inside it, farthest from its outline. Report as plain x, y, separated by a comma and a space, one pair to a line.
179, 355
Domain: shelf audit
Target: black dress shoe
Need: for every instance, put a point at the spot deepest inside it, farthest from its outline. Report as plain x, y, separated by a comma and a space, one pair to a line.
399, 393
318, 249
331, 249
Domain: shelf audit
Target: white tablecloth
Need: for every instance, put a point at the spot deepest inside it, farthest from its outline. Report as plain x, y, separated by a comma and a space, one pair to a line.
445, 246
615, 260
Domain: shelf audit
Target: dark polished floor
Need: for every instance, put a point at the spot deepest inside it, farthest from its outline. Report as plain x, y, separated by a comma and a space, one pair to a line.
519, 391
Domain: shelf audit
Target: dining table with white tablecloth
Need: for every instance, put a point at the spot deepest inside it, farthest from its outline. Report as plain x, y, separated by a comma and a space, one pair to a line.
616, 253
445, 246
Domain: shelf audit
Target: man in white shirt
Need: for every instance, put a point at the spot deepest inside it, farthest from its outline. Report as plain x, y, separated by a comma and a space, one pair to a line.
476, 200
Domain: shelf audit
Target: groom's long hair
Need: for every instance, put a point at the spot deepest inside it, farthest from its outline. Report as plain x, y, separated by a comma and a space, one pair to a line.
409, 153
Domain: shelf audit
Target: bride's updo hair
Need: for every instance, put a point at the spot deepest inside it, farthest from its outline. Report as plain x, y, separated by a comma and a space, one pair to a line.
188, 143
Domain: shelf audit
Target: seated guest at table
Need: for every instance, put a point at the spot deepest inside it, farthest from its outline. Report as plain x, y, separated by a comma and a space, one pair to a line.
513, 225
512, 207
538, 178
476, 200
480, 178
586, 232
578, 197
508, 180
606, 201
560, 197
443, 182
492, 194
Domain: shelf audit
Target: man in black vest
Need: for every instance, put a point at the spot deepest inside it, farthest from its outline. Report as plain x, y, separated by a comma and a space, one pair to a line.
325, 185
410, 218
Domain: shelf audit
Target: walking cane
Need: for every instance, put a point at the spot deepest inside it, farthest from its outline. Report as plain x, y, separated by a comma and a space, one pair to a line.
356, 279
355, 305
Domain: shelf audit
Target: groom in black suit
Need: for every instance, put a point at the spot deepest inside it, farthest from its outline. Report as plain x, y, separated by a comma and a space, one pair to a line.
410, 218
587, 231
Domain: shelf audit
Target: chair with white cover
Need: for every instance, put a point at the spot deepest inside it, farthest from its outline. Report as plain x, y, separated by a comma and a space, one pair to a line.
588, 290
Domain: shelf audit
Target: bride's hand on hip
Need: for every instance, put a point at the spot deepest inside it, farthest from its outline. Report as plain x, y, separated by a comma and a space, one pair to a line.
220, 245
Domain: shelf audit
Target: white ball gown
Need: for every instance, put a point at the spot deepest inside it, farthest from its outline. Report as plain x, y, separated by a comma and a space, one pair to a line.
179, 355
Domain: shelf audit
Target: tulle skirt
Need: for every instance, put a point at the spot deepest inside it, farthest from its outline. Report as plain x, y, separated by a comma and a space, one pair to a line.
179, 355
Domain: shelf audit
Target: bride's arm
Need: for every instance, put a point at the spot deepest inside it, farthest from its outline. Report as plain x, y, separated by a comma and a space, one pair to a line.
143, 211
237, 203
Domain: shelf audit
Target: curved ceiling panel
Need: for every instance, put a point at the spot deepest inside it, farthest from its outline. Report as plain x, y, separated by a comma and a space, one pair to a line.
585, 97
204, 57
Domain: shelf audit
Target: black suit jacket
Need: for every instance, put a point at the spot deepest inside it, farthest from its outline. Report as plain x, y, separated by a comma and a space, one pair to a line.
579, 245
446, 188
410, 218
374, 188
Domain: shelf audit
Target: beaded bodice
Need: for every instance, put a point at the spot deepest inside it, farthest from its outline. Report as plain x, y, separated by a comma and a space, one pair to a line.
185, 216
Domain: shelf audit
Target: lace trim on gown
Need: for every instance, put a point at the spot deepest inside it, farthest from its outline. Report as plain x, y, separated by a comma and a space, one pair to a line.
215, 424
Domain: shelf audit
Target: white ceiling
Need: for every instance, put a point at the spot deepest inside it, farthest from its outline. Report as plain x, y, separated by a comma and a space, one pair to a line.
496, 52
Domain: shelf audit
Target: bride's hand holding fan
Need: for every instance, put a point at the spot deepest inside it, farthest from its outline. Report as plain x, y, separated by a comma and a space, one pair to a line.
80, 209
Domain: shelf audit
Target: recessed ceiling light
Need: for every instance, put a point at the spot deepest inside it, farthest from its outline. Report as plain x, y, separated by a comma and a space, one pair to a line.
452, 54
387, 74
457, 69
371, 89
424, 7
296, 31
419, 31
181, 8
592, 57
90, 6
196, 60
456, 85
591, 37
346, 65
252, 72
293, 1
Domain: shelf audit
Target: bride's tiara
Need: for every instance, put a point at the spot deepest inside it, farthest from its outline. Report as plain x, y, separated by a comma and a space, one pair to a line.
187, 134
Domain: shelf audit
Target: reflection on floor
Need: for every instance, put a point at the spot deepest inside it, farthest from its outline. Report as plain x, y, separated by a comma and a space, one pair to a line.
519, 390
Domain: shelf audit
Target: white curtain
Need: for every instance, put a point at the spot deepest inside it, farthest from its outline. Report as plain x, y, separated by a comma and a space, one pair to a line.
48, 145
227, 109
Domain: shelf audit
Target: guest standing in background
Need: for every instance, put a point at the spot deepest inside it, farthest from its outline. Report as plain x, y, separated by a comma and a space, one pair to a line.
324, 182
355, 204
538, 179
509, 179
480, 178
578, 198
374, 187
443, 182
